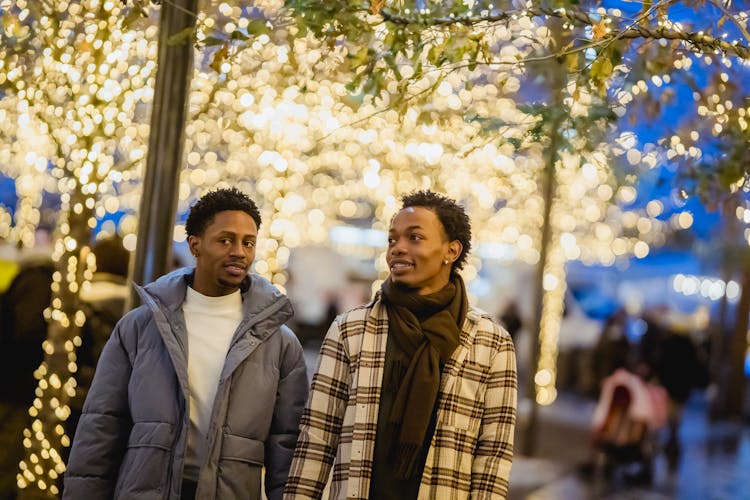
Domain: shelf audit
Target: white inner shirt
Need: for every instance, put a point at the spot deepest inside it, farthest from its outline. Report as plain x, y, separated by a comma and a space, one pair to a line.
211, 323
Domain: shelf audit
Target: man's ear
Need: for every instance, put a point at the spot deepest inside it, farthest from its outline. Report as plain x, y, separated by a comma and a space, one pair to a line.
454, 250
194, 244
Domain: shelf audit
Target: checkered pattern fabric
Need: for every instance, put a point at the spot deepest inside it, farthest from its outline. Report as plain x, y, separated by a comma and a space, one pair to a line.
472, 448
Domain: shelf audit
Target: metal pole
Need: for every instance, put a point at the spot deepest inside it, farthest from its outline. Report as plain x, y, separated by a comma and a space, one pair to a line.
166, 141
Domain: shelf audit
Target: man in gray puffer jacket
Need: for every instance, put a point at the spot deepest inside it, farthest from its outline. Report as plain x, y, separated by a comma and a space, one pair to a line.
202, 386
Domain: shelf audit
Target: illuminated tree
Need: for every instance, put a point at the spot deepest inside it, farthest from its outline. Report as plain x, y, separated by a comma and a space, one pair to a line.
327, 118
77, 82
594, 58
293, 119
719, 176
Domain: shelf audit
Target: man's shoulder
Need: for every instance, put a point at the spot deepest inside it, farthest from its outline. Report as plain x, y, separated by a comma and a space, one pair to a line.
481, 317
355, 313
288, 337
486, 326
358, 314
352, 322
135, 319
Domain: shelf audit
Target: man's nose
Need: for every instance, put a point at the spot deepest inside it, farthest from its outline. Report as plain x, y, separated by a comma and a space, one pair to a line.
237, 248
397, 248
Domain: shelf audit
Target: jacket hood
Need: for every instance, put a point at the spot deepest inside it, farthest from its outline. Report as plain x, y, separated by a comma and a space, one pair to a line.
263, 304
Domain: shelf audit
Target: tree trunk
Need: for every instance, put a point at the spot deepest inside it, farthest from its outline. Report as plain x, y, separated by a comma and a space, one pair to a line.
720, 337
46, 440
166, 142
548, 187
738, 348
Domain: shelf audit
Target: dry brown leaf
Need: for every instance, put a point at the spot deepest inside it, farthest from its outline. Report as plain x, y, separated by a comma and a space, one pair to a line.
599, 30
219, 57
377, 5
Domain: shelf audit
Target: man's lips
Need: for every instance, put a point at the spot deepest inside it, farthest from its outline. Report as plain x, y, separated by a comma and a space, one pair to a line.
401, 266
236, 268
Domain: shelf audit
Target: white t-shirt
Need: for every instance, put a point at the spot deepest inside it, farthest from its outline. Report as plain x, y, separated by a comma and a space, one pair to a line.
211, 323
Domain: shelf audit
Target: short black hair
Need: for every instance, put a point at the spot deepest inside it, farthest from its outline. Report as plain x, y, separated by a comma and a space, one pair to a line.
205, 209
450, 214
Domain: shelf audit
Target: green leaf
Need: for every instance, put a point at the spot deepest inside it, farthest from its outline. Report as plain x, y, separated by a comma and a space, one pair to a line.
211, 41
391, 61
359, 57
572, 61
601, 68
135, 15
258, 27
599, 111
182, 36
238, 35
434, 55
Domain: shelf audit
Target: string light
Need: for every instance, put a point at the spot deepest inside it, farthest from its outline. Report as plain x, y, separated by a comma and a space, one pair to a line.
75, 113
283, 125
275, 118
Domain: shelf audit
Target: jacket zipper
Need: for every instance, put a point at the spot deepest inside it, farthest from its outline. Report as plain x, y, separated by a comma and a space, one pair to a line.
145, 296
170, 469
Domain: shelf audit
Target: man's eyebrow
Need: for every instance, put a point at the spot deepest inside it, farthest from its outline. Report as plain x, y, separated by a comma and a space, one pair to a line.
232, 233
408, 228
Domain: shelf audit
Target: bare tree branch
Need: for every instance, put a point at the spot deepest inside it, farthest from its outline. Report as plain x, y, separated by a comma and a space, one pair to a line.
698, 40
729, 15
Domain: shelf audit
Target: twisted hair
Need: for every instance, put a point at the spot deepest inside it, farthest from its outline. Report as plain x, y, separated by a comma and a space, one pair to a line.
450, 214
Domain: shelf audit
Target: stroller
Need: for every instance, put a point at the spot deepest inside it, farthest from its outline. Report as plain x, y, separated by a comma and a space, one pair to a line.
626, 422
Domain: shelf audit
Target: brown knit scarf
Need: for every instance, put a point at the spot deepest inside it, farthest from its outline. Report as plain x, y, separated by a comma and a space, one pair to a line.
426, 331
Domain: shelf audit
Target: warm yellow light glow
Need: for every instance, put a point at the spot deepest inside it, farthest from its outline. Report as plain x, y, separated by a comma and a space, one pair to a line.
685, 220
276, 120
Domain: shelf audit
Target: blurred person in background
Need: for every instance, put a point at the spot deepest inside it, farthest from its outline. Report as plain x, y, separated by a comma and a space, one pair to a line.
105, 297
200, 389
103, 301
316, 280
23, 326
612, 350
671, 358
511, 319
415, 392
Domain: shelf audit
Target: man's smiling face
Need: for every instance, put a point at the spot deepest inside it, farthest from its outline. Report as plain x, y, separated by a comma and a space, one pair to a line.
418, 249
224, 252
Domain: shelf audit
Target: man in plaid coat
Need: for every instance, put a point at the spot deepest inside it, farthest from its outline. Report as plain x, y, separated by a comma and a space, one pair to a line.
415, 393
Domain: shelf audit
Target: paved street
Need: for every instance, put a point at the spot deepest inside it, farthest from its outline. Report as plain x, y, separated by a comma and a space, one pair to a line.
714, 465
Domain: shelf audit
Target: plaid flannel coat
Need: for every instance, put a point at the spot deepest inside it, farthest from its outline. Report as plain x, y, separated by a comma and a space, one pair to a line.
472, 447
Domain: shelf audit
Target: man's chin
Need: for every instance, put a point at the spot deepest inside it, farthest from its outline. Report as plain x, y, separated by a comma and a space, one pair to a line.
233, 282
404, 285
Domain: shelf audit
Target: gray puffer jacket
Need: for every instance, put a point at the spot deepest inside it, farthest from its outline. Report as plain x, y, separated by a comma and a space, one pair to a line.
132, 437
